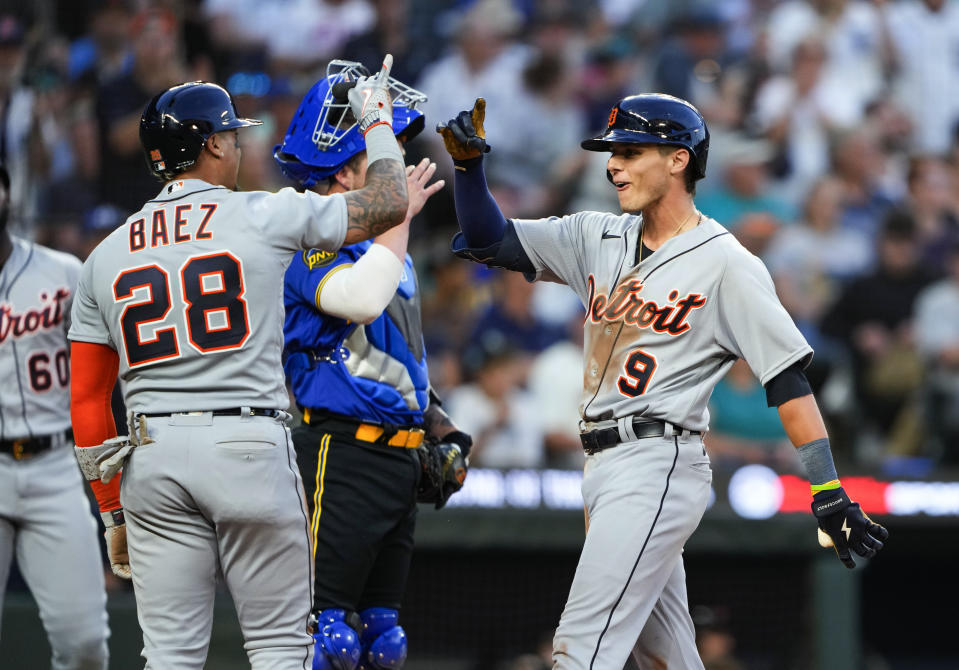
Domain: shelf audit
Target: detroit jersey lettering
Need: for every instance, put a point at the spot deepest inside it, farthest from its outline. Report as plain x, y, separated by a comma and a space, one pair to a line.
158, 309
36, 292
661, 334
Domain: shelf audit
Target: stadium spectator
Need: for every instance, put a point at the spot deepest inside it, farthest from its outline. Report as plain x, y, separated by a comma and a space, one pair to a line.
937, 337
797, 112
860, 164
743, 187
925, 82
495, 410
486, 61
157, 64
743, 429
873, 318
935, 208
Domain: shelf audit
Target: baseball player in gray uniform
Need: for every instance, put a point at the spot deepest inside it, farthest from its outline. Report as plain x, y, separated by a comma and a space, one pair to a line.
44, 513
185, 301
672, 300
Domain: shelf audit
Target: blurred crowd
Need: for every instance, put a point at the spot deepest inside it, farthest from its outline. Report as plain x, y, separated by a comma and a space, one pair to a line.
834, 157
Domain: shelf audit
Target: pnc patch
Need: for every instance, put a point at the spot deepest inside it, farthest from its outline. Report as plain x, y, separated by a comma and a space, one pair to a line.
317, 258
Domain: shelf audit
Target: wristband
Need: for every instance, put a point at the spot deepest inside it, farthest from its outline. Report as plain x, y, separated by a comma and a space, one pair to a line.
460, 439
816, 457
381, 143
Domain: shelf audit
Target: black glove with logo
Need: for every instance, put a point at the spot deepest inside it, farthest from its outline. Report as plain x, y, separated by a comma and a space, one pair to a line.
844, 526
444, 468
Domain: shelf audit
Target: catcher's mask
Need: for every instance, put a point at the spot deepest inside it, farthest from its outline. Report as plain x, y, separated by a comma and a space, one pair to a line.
656, 118
177, 122
323, 135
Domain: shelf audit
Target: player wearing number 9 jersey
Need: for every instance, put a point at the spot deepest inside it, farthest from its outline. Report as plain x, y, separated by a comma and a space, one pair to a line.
672, 300
44, 512
185, 302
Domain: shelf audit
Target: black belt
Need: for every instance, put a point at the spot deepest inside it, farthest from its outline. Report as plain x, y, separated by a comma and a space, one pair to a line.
232, 411
31, 446
604, 438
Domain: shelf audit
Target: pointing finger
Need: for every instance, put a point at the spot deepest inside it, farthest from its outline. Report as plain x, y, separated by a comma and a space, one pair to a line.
384, 74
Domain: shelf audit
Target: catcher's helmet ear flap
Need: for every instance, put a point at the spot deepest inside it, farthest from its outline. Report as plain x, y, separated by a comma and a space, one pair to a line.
656, 118
323, 135
177, 122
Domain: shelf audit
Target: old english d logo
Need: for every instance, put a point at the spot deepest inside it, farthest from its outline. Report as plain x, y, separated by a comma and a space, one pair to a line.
612, 116
156, 155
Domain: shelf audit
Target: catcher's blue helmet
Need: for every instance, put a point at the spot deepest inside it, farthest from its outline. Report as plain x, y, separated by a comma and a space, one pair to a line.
177, 122
323, 135
656, 118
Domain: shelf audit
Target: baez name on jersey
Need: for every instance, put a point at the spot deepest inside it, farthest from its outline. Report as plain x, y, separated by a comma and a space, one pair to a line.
186, 225
50, 315
625, 304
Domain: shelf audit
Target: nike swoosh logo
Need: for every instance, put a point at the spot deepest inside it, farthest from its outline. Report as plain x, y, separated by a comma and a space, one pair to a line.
607, 236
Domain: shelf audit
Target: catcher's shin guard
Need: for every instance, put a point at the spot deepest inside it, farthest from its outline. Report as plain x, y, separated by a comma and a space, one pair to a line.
384, 642
336, 642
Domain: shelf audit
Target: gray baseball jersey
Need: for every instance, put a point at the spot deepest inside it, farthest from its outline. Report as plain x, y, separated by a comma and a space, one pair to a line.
44, 513
660, 335
36, 294
190, 293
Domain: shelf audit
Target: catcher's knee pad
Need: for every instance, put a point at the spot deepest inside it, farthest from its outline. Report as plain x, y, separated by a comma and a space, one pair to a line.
384, 642
336, 643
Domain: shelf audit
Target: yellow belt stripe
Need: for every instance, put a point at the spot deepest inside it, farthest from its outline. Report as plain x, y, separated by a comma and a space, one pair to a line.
318, 492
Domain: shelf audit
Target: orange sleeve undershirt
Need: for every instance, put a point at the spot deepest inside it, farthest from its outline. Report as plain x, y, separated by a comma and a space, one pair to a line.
93, 372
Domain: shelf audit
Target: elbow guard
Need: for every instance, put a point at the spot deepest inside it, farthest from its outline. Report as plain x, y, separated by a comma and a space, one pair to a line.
507, 253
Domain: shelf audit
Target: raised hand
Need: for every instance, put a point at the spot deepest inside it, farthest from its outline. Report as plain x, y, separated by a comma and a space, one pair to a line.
417, 178
464, 136
370, 98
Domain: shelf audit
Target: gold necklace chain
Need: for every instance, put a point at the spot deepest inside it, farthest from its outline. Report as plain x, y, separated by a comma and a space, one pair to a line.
685, 221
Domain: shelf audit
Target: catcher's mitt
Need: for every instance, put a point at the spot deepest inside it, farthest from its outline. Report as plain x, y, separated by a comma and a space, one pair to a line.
444, 468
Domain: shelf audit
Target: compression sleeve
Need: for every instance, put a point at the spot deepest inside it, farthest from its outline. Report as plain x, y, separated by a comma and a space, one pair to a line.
360, 292
93, 372
479, 216
788, 384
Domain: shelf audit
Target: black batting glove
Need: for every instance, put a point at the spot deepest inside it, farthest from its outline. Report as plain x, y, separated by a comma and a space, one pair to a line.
844, 526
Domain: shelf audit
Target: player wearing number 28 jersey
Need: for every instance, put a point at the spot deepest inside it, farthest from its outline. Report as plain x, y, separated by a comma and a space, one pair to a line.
185, 301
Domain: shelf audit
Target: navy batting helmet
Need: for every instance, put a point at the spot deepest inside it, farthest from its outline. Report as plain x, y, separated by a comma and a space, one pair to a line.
323, 135
177, 122
656, 118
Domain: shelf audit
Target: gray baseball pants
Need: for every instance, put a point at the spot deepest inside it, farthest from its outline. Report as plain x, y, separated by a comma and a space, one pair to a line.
45, 517
218, 495
644, 499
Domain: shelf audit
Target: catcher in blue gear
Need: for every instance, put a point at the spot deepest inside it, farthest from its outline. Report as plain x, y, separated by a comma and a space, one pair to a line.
375, 440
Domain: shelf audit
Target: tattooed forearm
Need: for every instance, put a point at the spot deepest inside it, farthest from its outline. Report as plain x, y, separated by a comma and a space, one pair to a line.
437, 423
380, 204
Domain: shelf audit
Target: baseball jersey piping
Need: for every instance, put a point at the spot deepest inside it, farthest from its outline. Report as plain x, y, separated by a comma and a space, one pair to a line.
13, 345
652, 527
185, 195
684, 252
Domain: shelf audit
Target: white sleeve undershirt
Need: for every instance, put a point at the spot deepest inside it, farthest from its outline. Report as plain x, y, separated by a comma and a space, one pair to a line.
361, 291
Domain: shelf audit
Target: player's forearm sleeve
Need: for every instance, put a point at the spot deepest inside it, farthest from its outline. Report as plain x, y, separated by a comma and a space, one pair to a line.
93, 372
479, 216
788, 384
360, 292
